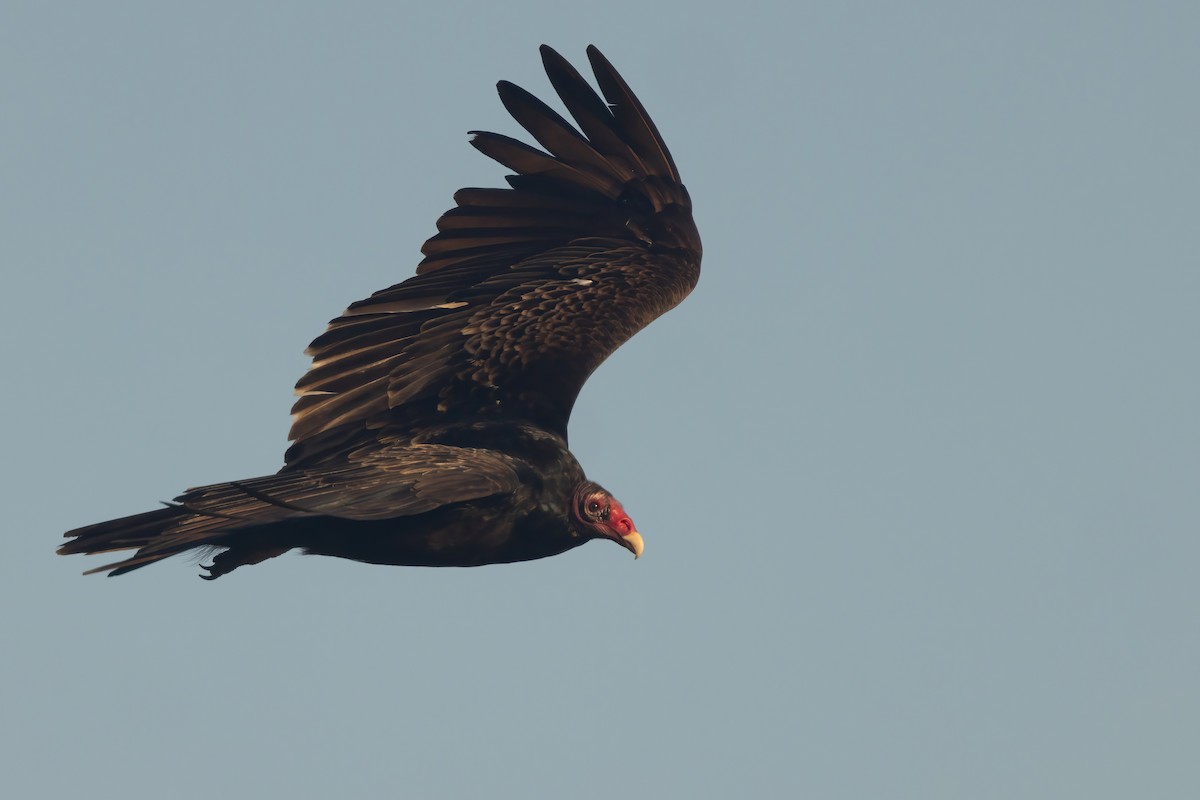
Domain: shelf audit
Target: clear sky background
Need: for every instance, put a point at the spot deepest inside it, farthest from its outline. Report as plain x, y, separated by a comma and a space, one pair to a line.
917, 464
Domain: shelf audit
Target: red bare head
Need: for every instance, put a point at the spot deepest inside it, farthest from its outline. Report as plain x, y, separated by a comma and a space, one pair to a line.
598, 513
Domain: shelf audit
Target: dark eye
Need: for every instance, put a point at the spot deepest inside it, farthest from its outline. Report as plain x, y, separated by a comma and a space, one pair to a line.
593, 508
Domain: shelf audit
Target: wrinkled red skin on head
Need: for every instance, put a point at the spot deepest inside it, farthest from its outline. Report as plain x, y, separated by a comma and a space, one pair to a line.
618, 520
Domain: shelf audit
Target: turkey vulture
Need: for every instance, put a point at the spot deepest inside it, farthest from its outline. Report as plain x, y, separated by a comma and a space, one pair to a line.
431, 428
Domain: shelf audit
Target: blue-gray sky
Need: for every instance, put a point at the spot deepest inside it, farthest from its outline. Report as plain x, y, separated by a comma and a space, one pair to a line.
917, 463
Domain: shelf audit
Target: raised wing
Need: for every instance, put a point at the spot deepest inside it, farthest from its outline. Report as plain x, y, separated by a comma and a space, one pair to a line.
524, 291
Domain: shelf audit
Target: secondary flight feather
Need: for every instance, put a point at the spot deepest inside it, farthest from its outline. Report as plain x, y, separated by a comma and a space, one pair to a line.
431, 428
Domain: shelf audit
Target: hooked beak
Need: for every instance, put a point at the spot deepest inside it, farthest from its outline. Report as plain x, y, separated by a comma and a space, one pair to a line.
633, 543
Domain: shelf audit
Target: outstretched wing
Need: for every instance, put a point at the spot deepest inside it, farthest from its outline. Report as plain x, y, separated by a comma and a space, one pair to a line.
379, 482
524, 291
383, 481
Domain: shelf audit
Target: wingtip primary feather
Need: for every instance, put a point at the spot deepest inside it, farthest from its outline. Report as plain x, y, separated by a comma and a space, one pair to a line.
631, 114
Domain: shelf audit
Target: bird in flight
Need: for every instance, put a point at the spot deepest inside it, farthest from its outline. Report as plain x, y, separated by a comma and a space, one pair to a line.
431, 427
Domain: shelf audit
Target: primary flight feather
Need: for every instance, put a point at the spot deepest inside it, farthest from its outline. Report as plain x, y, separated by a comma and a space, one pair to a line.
431, 428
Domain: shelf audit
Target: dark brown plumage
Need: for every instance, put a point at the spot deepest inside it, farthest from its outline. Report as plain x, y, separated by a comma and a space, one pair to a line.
431, 429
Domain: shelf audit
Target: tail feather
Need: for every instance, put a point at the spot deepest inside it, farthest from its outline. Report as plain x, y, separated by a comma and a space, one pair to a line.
138, 532
124, 533
248, 525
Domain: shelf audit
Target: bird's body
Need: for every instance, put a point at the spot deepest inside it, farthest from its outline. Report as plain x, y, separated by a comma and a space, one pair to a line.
431, 429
